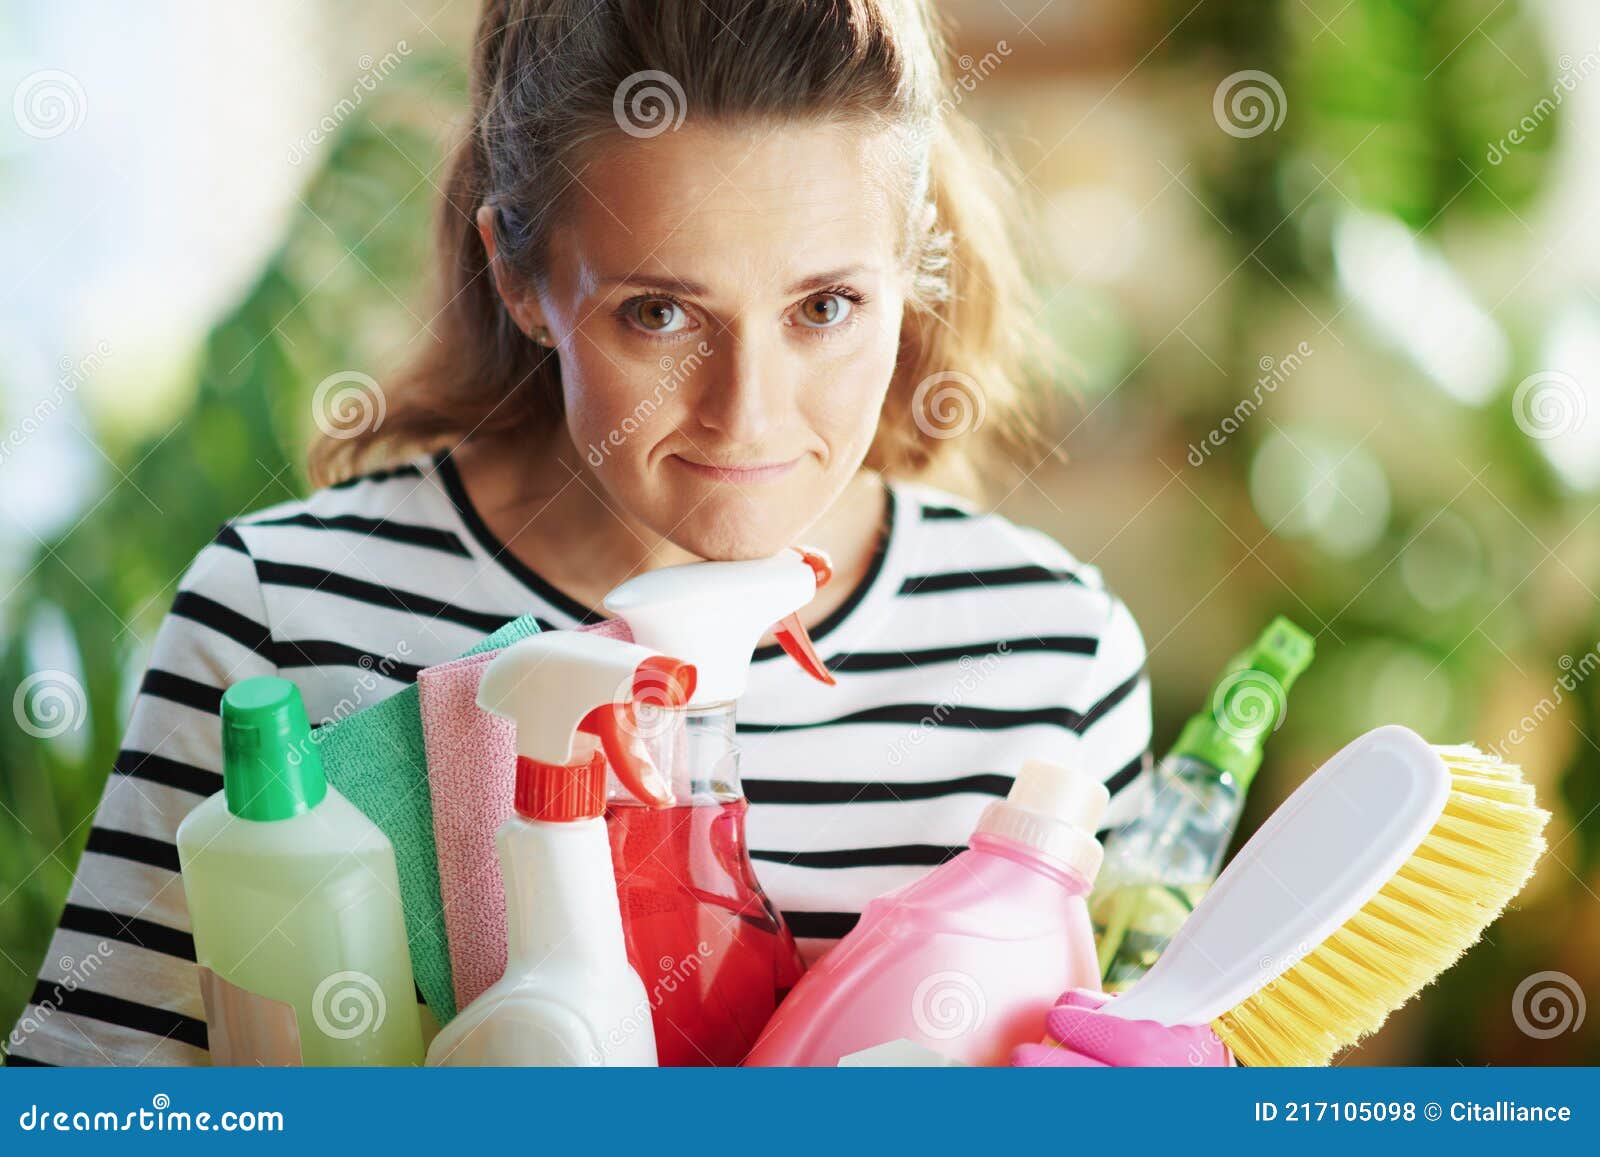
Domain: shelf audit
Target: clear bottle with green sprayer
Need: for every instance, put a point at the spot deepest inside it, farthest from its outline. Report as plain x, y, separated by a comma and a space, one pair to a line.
1159, 864
294, 902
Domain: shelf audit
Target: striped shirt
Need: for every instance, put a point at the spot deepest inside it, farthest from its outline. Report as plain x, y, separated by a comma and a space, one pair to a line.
971, 645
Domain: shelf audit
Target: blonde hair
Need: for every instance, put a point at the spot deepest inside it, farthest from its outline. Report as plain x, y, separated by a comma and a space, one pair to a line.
551, 76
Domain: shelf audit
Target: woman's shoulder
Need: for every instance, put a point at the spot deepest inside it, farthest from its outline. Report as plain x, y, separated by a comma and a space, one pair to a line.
402, 503
390, 526
959, 534
389, 491
1022, 573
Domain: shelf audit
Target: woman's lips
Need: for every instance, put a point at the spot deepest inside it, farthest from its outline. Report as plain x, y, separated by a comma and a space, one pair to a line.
738, 473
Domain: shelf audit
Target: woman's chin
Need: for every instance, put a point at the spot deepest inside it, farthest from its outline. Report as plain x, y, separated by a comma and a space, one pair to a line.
731, 525
730, 538
727, 520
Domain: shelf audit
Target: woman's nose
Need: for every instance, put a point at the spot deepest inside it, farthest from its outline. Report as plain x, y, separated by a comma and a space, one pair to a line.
742, 388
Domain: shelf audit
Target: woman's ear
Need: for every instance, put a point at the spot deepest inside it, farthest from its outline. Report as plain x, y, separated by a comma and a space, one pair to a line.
520, 303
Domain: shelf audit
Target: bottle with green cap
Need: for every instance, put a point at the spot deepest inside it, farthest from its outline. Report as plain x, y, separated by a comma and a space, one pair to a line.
1159, 864
294, 903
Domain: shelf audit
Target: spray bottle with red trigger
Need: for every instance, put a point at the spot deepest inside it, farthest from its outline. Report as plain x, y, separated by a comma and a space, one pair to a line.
707, 941
569, 995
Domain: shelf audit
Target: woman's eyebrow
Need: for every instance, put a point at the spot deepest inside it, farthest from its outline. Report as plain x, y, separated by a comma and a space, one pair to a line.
695, 289
651, 281
825, 279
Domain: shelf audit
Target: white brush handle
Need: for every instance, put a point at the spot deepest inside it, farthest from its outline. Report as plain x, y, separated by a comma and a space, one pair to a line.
1318, 859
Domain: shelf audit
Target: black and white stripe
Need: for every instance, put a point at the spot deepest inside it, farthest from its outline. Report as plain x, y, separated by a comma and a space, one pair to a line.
972, 645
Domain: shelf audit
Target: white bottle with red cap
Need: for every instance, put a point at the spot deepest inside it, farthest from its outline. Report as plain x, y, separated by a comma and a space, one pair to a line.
568, 996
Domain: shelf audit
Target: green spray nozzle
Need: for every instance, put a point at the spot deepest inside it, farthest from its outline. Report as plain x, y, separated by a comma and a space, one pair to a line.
1248, 702
271, 768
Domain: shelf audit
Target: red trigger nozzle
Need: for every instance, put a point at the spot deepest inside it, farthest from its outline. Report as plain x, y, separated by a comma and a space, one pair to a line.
663, 681
659, 681
819, 563
796, 642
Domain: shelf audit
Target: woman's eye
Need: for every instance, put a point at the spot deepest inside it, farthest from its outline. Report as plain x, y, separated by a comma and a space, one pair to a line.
659, 315
824, 310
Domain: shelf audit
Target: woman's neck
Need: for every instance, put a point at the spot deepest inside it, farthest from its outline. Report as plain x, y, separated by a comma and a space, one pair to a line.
555, 518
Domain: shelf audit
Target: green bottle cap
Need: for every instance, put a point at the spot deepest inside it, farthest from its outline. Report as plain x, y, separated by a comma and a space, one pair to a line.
1248, 702
271, 769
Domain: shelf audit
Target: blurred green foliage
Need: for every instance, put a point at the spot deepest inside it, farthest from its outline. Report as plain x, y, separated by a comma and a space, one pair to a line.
330, 298
1393, 109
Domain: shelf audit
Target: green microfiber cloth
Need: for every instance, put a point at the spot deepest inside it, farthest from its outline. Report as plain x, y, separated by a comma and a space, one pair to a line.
375, 759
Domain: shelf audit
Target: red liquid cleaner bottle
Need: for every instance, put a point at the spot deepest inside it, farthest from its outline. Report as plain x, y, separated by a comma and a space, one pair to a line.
714, 954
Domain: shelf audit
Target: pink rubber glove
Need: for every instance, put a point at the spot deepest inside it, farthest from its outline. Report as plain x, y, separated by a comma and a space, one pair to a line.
1079, 1035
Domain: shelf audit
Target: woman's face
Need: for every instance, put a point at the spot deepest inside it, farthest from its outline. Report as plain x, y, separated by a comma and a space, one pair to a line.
726, 305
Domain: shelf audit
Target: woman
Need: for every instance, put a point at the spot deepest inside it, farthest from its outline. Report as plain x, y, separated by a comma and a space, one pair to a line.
711, 272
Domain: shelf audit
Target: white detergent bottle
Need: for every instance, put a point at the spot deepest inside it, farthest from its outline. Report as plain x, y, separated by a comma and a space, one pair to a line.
569, 995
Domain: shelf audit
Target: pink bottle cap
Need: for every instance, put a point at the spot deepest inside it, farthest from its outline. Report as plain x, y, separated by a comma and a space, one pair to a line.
1052, 809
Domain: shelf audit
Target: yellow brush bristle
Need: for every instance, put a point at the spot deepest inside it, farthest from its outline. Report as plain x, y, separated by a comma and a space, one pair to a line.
1478, 855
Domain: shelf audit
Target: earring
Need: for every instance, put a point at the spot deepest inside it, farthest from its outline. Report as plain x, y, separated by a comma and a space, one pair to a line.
541, 335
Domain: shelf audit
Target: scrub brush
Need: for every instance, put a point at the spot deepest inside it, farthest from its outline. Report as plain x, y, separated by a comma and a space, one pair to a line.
1365, 885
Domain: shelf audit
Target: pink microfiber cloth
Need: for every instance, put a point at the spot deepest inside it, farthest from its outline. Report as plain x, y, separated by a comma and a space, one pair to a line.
472, 770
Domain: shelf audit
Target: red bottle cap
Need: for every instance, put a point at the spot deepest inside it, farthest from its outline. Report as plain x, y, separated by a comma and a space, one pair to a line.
557, 793
561, 793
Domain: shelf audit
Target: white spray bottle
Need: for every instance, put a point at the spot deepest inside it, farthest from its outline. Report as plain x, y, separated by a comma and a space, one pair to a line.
569, 995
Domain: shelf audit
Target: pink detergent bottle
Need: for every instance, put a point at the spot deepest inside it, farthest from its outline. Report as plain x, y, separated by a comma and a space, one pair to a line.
967, 960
